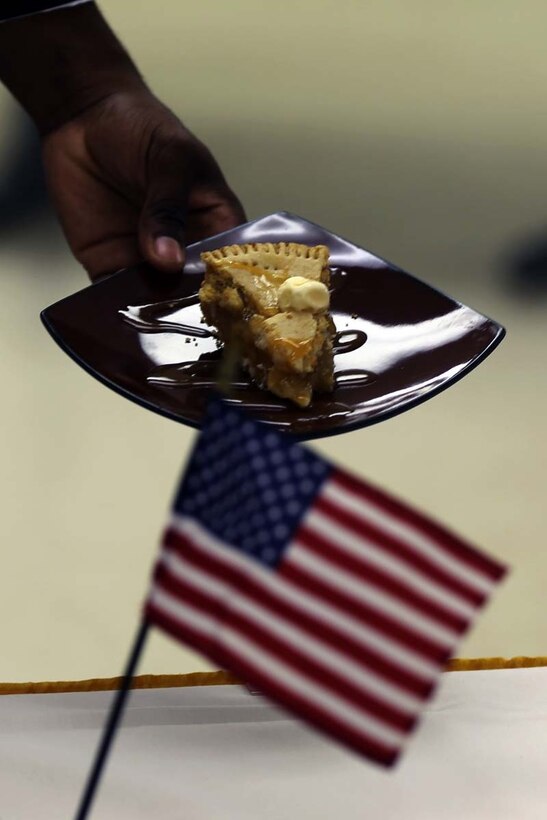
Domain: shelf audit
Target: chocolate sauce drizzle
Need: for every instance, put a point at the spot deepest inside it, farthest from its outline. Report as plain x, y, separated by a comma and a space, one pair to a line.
180, 315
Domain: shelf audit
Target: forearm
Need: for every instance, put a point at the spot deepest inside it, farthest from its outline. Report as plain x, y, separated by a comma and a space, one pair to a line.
60, 63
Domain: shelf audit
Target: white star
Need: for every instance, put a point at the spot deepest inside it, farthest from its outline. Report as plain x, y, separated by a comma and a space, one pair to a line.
288, 490
252, 446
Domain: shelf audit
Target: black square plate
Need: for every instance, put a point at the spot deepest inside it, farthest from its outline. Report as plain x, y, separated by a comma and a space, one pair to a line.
399, 340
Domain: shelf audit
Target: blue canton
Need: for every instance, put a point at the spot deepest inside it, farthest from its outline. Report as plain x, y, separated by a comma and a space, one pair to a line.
249, 485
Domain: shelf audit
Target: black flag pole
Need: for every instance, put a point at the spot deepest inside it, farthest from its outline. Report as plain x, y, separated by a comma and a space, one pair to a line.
224, 379
112, 724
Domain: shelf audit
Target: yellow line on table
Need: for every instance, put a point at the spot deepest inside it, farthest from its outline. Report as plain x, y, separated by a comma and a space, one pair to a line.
221, 678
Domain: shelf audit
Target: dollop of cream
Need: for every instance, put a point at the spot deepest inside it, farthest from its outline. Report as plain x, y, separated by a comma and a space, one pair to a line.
299, 293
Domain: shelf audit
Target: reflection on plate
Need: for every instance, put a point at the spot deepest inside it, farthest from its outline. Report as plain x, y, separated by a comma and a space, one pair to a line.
399, 341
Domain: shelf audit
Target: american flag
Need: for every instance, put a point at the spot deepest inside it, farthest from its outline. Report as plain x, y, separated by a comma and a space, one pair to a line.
331, 597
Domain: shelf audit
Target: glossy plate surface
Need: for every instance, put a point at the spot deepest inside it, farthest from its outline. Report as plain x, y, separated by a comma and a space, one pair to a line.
399, 340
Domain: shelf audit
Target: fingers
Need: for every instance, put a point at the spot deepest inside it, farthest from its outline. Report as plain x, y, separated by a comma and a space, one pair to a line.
161, 229
165, 226
212, 211
106, 241
170, 175
99, 222
109, 255
187, 199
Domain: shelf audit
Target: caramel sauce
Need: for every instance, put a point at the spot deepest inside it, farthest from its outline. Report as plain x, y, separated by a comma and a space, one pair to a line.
296, 350
286, 384
269, 277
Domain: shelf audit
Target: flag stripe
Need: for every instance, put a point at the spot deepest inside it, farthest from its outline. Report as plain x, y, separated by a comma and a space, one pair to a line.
186, 563
260, 638
261, 593
396, 630
298, 704
231, 644
357, 590
307, 571
372, 645
362, 569
418, 525
357, 516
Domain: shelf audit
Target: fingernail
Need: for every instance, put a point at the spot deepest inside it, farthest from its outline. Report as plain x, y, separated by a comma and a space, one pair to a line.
168, 249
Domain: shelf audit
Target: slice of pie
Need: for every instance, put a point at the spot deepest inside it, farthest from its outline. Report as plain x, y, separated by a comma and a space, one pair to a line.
272, 302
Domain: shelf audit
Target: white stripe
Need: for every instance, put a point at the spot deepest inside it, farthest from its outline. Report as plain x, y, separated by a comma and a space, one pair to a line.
427, 547
403, 658
358, 546
230, 640
287, 632
360, 591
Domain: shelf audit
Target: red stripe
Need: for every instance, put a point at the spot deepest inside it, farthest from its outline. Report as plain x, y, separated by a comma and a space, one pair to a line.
399, 632
274, 688
318, 629
453, 545
404, 635
367, 573
398, 549
329, 679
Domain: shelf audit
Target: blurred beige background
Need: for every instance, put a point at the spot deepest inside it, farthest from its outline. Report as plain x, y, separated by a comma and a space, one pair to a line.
416, 129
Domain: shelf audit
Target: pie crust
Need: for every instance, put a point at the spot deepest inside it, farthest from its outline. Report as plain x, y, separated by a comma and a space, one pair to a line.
288, 352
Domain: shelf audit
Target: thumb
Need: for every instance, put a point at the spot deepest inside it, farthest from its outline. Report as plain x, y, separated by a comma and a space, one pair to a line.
161, 227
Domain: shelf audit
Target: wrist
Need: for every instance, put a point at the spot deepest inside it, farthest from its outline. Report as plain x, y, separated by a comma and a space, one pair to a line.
61, 63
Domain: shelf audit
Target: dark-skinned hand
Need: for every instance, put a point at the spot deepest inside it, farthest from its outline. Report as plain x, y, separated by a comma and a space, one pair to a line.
129, 181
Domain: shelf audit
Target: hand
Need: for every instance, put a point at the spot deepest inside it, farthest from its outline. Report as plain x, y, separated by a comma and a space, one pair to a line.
130, 182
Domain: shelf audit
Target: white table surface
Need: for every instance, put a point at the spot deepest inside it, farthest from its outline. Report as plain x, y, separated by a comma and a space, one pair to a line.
210, 753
